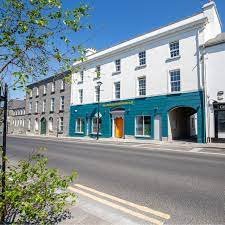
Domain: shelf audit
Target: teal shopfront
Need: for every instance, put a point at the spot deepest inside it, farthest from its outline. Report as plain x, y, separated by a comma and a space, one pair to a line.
167, 117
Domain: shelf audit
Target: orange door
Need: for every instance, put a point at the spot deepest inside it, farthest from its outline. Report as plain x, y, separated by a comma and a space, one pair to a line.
119, 127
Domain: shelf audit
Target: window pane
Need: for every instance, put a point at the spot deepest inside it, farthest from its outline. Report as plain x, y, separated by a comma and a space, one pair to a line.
139, 125
147, 125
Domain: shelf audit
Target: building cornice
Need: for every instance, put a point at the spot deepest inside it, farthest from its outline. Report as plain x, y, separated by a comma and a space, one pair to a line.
189, 23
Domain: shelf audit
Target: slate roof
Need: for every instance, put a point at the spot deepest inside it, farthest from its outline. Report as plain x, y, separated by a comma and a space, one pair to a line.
16, 104
219, 39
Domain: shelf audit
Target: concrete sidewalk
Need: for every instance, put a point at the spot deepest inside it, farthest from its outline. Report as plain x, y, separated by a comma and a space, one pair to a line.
182, 144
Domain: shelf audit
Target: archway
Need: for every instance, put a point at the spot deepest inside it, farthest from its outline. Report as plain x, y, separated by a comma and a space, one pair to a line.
43, 126
183, 124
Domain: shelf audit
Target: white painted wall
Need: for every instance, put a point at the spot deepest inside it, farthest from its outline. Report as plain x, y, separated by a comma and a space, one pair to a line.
215, 79
191, 33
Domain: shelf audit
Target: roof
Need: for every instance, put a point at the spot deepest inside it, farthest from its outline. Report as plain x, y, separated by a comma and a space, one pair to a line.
48, 79
219, 39
16, 104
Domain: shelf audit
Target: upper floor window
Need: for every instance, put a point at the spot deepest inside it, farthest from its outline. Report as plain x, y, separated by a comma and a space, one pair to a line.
97, 93
118, 65
175, 80
36, 107
37, 92
62, 103
142, 86
30, 93
44, 106
117, 90
98, 71
81, 96
44, 89
142, 58
53, 87
62, 86
81, 76
52, 106
174, 49
30, 107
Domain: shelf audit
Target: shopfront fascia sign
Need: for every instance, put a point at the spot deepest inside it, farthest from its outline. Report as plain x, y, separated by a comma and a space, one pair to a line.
115, 104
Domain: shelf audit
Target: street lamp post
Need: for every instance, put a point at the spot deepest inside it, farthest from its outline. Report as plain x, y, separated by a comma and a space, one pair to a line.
99, 83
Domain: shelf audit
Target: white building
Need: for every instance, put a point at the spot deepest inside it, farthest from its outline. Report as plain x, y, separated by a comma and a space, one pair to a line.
214, 57
153, 86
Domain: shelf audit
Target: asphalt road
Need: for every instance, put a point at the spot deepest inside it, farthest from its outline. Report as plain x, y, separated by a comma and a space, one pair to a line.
189, 187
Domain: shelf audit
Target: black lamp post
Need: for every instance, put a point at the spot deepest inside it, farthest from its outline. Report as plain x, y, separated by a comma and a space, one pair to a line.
99, 83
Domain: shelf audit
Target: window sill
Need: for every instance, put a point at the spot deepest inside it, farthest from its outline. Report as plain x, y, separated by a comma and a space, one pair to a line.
37, 96
95, 133
142, 136
80, 82
60, 132
140, 67
174, 93
44, 94
173, 59
61, 110
62, 90
79, 132
52, 92
43, 113
51, 112
116, 73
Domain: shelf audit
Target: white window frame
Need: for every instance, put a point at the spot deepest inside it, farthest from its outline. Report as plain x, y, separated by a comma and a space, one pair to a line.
36, 125
81, 96
80, 122
174, 81
37, 91
36, 107
174, 49
61, 124
139, 89
31, 93
44, 106
29, 124
92, 125
62, 103
44, 89
62, 86
142, 58
53, 87
50, 124
52, 105
30, 107
117, 91
143, 135
118, 65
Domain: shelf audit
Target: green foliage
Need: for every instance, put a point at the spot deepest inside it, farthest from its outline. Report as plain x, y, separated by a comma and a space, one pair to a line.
36, 194
35, 35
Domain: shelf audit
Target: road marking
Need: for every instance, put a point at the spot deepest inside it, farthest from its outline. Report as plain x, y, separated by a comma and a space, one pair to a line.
118, 207
139, 207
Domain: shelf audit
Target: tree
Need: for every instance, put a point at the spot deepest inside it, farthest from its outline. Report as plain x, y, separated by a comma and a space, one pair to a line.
35, 38
36, 194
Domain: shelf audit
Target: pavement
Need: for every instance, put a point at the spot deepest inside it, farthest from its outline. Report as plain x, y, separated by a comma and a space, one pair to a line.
136, 183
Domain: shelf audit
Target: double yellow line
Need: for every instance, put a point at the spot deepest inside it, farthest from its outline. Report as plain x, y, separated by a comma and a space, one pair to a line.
82, 190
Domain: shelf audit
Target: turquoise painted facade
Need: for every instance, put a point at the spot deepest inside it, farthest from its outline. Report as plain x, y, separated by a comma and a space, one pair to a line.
150, 106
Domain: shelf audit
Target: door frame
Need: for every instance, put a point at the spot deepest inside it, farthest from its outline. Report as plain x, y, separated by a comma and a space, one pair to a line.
43, 119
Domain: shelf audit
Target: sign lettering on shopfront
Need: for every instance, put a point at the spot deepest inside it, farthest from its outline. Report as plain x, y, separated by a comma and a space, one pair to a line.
114, 104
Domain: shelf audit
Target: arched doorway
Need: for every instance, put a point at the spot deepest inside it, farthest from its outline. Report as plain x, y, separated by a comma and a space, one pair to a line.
183, 124
43, 126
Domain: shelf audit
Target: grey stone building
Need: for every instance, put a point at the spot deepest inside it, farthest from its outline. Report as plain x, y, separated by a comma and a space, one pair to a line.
48, 106
16, 116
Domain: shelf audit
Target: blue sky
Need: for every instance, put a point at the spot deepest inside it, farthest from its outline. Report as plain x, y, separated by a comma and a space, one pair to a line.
114, 21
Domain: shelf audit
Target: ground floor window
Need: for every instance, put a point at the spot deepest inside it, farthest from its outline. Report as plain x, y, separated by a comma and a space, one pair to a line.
50, 124
143, 126
61, 124
95, 125
80, 125
36, 124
